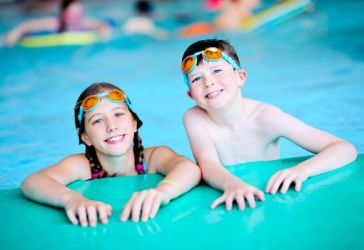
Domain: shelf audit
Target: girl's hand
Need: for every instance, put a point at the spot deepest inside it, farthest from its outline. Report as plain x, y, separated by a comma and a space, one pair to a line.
285, 178
143, 205
85, 212
238, 191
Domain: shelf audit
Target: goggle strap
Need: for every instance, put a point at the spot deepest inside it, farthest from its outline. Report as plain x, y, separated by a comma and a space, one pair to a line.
230, 60
185, 78
80, 115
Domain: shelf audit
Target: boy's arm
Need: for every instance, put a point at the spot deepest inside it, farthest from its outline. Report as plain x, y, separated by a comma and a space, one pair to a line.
205, 152
213, 172
331, 151
181, 175
49, 187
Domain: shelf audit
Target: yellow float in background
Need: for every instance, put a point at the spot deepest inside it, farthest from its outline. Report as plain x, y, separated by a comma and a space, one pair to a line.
270, 16
59, 39
275, 14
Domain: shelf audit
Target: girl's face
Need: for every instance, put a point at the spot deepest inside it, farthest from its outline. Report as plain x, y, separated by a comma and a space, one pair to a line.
109, 128
73, 16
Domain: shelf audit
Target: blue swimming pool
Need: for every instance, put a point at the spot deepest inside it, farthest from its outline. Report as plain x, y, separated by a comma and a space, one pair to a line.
311, 66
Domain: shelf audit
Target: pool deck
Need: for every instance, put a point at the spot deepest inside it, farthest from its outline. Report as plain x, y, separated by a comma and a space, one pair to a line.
326, 214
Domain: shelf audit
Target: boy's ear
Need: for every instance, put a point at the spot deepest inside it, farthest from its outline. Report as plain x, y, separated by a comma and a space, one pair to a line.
189, 94
85, 139
242, 75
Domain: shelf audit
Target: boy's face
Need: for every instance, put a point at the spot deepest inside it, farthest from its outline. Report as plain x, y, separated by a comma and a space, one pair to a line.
213, 84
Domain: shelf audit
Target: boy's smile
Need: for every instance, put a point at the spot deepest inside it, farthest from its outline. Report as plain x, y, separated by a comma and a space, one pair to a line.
214, 94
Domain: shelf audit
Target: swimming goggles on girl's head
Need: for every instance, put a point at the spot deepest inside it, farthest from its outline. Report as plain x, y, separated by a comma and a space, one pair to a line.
91, 102
210, 54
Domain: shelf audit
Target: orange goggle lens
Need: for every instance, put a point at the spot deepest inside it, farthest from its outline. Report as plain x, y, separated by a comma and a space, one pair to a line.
117, 96
188, 63
89, 102
212, 53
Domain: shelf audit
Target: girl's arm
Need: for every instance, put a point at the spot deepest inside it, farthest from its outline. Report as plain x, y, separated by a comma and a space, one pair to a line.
181, 175
43, 24
48, 186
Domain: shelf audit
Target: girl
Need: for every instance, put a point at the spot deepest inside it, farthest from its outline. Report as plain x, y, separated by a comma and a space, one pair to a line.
70, 18
109, 128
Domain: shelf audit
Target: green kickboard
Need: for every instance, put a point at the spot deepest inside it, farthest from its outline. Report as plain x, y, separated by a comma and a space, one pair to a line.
326, 214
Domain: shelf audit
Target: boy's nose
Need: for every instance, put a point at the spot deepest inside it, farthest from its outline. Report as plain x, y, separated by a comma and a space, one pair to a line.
209, 80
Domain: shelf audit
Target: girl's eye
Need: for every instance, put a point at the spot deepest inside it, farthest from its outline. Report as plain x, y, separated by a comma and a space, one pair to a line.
97, 121
196, 79
119, 114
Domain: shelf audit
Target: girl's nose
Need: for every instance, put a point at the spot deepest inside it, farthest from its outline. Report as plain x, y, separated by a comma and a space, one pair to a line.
111, 126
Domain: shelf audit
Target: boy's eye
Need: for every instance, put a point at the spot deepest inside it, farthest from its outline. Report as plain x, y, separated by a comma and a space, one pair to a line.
196, 79
216, 71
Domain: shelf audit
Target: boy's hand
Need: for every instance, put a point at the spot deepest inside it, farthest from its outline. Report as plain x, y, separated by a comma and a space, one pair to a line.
83, 211
238, 191
143, 205
285, 178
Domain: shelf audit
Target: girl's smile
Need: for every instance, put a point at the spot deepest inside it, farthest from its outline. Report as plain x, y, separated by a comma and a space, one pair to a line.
115, 139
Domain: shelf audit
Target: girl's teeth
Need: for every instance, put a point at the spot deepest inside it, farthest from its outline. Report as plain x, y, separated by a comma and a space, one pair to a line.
113, 139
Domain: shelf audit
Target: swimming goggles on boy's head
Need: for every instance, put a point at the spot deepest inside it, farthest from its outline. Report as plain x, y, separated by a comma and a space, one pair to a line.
91, 102
210, 54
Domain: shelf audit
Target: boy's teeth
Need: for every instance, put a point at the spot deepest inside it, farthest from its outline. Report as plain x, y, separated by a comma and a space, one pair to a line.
213, 94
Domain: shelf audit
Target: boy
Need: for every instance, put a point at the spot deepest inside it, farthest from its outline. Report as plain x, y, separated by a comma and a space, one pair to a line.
225, 128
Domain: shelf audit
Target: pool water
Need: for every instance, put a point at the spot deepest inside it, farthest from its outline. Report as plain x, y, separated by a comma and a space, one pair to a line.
311, 66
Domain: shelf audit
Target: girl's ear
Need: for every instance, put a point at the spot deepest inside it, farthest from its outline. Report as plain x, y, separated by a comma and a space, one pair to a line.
189, 94
85, 139
242, 76
135, 125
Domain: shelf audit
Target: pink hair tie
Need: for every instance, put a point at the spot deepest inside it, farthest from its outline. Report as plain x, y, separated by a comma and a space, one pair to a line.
96, 175
140, 168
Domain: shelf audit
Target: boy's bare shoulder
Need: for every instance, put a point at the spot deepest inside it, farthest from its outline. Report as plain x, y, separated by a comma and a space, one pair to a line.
264, 112
194, 112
